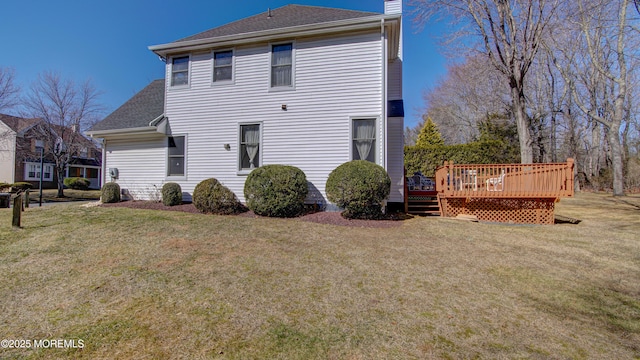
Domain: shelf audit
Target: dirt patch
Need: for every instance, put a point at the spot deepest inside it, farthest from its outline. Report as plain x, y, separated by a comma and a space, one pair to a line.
323, 217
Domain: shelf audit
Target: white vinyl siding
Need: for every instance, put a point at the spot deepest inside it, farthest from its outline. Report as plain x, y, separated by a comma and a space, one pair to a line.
7, 154
141, 164
395, 158
313, 134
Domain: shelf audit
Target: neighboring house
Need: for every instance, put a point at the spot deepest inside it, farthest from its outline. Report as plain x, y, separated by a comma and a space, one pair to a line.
307, 86
20, 140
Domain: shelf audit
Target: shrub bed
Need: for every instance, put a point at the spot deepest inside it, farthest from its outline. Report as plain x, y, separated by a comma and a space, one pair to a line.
211, 197
359, 187
110, 193
276, 191
171, 194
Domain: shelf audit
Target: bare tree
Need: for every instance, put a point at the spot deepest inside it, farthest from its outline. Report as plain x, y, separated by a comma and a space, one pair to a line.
469, 93
8, 89
509, 33
66, 109
604, 27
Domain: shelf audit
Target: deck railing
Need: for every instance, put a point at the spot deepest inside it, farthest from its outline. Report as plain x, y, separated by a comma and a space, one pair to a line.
505, 180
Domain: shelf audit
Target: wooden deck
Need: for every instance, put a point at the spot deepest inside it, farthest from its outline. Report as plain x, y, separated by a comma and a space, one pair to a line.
516, 193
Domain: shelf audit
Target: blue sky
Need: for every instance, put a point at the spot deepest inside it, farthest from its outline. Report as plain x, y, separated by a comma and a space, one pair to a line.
107, 41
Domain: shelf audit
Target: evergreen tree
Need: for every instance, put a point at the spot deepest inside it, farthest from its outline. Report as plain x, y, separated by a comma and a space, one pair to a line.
429, 135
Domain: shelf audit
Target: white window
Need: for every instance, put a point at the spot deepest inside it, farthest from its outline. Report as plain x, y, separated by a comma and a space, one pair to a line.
180, 71
364, 139
222, 65
282, 65
176, 159
32, 172
249, 156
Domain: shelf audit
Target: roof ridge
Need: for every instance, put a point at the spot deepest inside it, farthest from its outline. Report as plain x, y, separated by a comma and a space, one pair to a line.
282, 17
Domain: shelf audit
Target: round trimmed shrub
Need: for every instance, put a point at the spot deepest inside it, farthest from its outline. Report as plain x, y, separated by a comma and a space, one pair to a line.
359, 187
276, 191
77, 183
171, 194
211, 197
110, 193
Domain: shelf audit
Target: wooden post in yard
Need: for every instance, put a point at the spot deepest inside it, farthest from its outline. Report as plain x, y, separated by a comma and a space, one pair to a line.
17, 211
26, 198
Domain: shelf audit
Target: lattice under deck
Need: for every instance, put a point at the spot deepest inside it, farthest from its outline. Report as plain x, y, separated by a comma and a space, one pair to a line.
508, 210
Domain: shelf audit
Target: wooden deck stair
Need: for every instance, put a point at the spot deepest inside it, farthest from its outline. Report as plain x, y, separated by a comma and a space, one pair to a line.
423, 203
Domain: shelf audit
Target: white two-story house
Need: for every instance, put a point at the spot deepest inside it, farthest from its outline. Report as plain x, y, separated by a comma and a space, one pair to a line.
307, 86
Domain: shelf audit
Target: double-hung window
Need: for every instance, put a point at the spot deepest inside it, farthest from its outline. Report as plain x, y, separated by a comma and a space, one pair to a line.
364, 139
32, 172
222, 65
176, 151
180, 71
249, 157
282, 65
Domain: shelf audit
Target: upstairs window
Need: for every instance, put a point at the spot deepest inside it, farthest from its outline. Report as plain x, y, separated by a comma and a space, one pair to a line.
282, 65
180, 71
223, 66
176, 156
364, 139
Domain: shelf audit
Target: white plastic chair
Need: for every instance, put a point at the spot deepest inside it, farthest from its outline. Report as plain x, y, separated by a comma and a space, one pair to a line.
497, 183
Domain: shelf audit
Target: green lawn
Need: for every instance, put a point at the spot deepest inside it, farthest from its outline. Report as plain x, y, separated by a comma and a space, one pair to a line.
151, 284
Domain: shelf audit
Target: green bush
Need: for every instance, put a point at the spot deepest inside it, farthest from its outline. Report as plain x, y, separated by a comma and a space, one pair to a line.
77, 183
110, 193
276, 191
359, 187
21, 186
171, 194
428, 158
211, 197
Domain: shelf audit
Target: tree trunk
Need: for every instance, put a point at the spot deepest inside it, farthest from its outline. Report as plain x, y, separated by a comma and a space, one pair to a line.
60, 182
524, 134
616, 159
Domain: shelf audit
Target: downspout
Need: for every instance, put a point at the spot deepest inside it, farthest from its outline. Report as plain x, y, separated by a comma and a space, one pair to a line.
103, 176
383, 37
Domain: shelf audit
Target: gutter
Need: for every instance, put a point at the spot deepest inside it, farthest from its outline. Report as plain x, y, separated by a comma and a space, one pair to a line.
266, 35
157, 125
123, 132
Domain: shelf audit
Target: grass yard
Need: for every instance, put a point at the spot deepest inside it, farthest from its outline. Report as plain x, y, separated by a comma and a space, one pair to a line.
49, 195
158, 285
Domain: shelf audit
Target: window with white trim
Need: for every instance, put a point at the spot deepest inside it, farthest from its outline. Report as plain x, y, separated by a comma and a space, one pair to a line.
176, 151
222, 65
364, 139
180, 71
32, 172
282, 65
249, 156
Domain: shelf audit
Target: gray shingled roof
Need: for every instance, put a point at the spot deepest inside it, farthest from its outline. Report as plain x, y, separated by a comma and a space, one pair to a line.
139, 111
17, 124
283, 17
